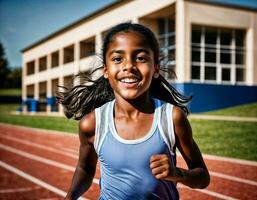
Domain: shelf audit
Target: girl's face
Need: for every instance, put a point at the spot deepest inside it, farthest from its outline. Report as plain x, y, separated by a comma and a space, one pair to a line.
130, 65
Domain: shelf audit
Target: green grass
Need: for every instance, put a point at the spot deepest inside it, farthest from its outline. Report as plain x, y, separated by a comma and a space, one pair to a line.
226, 138
44, 122
10, 92
247, 110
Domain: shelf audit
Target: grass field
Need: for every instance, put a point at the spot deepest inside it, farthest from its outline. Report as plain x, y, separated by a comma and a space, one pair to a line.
10, 92
45, 122
224, 138
248, 110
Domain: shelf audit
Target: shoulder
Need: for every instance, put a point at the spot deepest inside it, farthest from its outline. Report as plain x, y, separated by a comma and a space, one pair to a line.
178, 115
181, 123
87, 126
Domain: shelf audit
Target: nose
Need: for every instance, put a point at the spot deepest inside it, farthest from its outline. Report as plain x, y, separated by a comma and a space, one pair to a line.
129, 65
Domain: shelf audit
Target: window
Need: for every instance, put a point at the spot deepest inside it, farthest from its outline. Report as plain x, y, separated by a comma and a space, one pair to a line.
30, 91
240, 74
68, 81
217, 55
211, 36
55, 59
42, 63
167, 43
68, 54
31, 67
225, 73
196, 72
87, 47
210, 73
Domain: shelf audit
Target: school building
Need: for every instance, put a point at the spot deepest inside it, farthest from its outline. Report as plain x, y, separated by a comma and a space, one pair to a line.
212, 48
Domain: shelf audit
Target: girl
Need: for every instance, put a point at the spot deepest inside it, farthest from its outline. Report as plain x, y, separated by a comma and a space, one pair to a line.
132, 120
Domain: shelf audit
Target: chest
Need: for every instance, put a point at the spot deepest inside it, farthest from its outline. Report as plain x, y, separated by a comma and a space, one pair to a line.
134, 155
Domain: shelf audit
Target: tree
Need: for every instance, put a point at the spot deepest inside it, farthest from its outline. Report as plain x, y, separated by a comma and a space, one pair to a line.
14, 78
4, 70
9, 77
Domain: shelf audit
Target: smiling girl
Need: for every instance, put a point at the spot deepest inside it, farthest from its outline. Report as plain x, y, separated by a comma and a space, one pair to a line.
132, 120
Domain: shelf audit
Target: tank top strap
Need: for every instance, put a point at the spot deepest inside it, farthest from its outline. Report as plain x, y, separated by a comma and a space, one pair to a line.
102, 115
166, 126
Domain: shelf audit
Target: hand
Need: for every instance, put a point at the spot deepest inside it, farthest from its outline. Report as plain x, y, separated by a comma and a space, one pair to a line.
162, 168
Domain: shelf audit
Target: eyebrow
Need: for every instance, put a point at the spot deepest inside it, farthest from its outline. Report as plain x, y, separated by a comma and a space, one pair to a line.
135, 51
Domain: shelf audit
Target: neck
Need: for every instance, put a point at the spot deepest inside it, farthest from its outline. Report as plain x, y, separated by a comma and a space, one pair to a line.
132, 108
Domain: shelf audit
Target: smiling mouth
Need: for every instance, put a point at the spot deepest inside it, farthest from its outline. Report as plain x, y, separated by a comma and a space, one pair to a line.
129, 80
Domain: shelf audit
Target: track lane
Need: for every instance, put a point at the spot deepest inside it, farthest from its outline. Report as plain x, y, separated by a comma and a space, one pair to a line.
23, 188
58, 137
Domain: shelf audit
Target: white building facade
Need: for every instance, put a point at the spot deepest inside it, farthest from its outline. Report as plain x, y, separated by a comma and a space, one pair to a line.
211, 47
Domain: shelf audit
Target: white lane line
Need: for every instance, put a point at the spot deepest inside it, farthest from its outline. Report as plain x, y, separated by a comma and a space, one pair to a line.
40, 131
70, 150
34, 179
233, 178
41, 159
230, 160
37, 158
27, 142
19, 190
226, 159
208, 192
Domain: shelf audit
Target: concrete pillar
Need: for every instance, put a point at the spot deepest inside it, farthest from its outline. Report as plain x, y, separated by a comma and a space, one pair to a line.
34, 101
61, 76
36, 88
233, 60
24, 87
61, 54
98, 43
254, 22
49, 94
76, 57
250, 48
135, 20
180, 40
60, 82
98, 51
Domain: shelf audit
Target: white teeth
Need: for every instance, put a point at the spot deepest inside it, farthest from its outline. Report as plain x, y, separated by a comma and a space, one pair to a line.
128, 80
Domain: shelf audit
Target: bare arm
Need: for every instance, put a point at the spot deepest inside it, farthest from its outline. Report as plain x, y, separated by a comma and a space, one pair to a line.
85, 170
197, 175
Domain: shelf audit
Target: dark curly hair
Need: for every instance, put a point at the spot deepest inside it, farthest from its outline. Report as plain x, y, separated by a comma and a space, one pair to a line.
93, 93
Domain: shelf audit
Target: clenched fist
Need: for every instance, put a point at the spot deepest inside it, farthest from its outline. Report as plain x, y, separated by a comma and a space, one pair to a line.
163, 169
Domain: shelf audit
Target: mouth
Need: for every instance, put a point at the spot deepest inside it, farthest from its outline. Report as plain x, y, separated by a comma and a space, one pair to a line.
129, 80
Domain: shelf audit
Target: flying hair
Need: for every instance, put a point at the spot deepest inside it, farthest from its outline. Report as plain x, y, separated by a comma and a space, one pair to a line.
92, 93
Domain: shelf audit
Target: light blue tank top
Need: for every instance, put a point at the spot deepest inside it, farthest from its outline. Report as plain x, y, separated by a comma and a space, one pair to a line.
125, 164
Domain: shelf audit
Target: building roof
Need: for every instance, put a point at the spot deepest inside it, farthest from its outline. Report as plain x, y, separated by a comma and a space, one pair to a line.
112, 6
224, 4
78, 22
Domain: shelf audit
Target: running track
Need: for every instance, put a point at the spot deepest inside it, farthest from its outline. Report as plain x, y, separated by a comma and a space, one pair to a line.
38, 164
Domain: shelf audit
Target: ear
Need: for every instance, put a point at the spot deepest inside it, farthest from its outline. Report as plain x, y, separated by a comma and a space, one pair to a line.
156, 71
105, 72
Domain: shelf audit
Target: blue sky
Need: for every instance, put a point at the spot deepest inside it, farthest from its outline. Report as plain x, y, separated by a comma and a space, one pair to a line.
23, 22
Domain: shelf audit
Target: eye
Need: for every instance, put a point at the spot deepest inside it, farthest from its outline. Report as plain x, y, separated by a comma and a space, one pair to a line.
117, 59
141, 59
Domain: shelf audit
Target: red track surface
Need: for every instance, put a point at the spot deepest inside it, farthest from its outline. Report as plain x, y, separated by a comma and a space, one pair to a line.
38, 164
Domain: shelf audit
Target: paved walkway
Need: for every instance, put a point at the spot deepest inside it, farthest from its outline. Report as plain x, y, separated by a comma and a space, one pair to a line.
223, 118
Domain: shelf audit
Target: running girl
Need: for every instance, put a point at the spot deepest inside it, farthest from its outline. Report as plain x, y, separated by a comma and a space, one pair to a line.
132, 120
